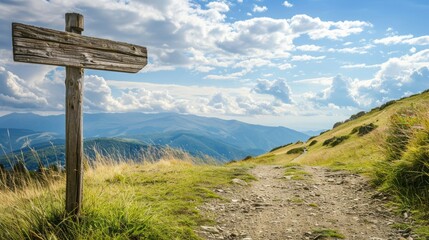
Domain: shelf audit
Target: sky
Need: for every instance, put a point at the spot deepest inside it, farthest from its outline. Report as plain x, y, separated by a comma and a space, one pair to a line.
303, 64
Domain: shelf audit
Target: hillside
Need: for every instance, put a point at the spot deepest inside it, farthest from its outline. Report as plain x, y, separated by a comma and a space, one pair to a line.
223, 140
356, 152
389, 145
350, 182
114, 148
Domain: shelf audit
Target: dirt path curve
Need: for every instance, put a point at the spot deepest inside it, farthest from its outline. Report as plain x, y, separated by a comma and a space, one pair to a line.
309, 203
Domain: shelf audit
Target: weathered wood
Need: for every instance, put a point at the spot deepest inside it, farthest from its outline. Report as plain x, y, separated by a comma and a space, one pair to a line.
45, 46
75, 52
74, 128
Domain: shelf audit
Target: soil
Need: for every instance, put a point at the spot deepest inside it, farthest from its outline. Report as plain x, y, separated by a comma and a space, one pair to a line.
311, 203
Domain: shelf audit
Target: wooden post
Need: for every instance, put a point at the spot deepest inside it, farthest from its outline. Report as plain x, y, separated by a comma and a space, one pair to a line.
74, 126
70, 49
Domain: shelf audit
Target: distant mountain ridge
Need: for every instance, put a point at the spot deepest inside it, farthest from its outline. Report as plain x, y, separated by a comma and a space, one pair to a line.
222, 139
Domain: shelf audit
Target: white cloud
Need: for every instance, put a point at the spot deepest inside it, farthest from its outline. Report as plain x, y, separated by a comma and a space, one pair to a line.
257, 8
309, 48
397, 76
285, 66
337, 94
360, 65
16, 93
218, 6
182, 34
392, 39
413, 50
306, 58
403, 39
353, 50
287, 4
240, 1
278, 88
318, 29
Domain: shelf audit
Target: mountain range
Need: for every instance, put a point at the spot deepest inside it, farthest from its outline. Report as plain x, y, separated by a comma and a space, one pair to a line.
221, 139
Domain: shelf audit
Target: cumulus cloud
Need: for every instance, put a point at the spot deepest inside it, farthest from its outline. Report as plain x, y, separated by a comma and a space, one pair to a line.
278, 89
218, 6
287, 4
397, 76
338, 94
318, 29
306, 58
183, 33
403, 39
360, 65
353, 50
16, 93
309, 48
257, 8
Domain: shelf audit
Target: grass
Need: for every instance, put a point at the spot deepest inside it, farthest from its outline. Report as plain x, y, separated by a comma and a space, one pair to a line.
295, 171
121, 201
327, 233
389, 144
405, 173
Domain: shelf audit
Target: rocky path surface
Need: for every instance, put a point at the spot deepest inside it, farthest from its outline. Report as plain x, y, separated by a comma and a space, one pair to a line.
308, 203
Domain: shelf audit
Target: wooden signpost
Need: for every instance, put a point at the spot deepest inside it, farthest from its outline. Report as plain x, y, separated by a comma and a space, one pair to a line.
75, 52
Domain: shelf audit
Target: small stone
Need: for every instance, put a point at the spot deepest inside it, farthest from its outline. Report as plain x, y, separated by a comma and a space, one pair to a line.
239, 182
210, 229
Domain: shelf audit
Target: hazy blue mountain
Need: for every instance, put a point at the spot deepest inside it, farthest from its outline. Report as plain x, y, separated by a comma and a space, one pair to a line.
314, 132
14, 139
117, 149
222, 139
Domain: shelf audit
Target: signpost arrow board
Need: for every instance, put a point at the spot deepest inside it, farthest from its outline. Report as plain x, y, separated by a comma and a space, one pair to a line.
75, 52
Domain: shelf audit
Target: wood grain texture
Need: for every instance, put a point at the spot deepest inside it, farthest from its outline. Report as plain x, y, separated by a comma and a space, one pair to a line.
74, 140
46, 46
74, 126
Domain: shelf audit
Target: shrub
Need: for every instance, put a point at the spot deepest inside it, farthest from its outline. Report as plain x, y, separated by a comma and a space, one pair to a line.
323, 132
400, 131
296, 150
356, 116
247, 158
312, 143
364, 129
334, 141
385, 105
405, 173
272, 150
337, 124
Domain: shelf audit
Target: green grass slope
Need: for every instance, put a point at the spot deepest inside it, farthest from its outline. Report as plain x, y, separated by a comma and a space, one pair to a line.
356, 152
390, 144
121, 201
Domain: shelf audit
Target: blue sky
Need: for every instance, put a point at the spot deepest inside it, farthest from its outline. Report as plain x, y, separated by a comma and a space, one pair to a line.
304, 64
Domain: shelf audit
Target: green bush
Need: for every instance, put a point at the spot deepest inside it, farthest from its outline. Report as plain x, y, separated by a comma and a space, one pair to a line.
282, 146
364, 129
298, 150
405, 173
334, 141
312, 143
385, 105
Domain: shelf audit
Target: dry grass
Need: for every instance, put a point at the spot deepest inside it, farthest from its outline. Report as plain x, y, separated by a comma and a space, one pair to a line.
122, 200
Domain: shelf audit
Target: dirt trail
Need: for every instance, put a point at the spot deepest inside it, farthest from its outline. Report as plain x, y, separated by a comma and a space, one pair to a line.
289, 207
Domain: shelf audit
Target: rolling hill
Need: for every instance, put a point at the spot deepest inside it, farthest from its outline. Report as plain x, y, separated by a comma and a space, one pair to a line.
343, 147
113, 148
221, 139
